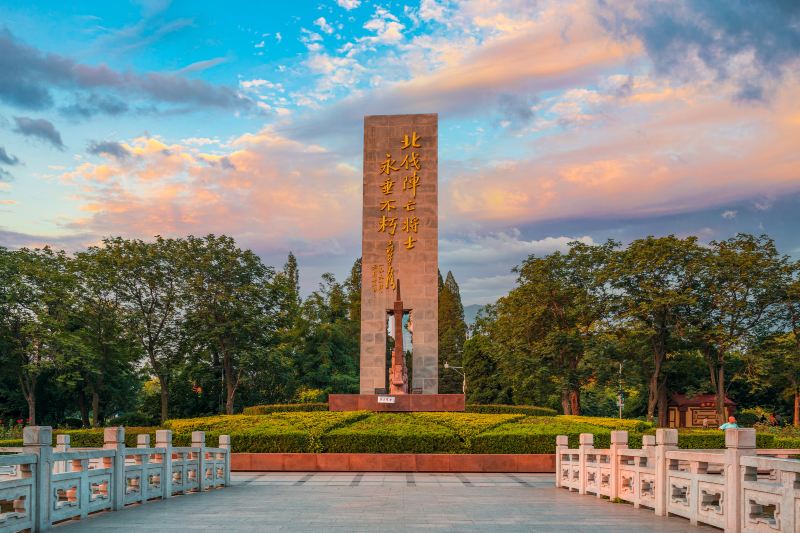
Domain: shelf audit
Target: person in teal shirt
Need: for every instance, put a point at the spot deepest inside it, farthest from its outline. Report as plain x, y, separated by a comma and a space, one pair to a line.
730, 424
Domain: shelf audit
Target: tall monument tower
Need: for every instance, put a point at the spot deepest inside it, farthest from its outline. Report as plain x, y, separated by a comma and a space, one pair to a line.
400, 242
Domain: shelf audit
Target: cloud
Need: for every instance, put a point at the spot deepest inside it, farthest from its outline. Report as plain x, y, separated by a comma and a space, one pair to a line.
200, 66
30, 75
349, 4
729, 215
387, 28
39, 128
268, 190
501, 247
750, 43
431, 10
655, 154
110, 148
323, 25
95, 104
504, 73
6, 158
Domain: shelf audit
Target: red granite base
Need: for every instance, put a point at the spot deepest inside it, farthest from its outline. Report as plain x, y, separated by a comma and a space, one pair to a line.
403, 402
392, 462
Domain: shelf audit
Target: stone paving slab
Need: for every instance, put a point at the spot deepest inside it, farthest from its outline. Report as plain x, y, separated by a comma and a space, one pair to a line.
385, 503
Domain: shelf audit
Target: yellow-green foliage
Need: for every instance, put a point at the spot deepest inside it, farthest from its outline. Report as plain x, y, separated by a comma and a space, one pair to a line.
393, 433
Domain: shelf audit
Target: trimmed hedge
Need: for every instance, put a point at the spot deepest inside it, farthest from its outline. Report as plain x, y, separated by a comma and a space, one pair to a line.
366, 432
285, 408
393, 433
496, 409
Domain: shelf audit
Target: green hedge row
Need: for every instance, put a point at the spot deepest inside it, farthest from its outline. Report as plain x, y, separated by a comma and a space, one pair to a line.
285, 408
493, 409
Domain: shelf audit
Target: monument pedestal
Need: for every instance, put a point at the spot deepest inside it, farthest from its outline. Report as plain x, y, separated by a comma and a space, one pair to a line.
396, 403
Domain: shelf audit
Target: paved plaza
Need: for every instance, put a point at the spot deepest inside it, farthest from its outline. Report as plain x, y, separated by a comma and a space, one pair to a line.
384, 502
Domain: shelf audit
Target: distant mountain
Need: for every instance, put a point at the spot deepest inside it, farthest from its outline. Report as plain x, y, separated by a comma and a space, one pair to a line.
470, 313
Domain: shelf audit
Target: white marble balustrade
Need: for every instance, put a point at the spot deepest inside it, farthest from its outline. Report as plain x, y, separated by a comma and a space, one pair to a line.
41, 485
739, 488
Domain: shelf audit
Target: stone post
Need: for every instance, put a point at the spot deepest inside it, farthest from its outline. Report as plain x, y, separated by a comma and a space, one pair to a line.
199, 442
114, 439
164, 440
619, 443
738, 443
225, 443
142, 441
38, 440
666, 440
586, 446
62, 445
562, 444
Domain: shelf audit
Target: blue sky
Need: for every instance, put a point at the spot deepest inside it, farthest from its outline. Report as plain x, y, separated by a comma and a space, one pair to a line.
562, 120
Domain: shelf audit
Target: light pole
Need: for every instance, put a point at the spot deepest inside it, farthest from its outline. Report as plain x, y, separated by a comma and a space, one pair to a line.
460, 370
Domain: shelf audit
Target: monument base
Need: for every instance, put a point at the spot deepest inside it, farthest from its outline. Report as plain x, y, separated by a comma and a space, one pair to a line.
396, 403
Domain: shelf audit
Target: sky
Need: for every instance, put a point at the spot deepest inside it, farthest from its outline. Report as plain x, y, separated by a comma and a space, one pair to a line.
560, 120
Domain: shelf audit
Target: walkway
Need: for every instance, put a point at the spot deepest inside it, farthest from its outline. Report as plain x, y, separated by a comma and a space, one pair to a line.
385, 502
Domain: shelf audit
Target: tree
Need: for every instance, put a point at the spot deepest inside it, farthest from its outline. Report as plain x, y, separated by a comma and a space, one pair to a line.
655, 280
104, 363
485, 383
230, 306
547, 323
37, 294
150, 287
452, 334
738, 297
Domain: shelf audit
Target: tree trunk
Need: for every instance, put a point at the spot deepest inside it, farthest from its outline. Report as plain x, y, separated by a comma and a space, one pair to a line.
83, 408
565, 402
164, 398
663, 410
575, 402
95, 409
721, 394
230, 379
31, 398
652, 393
796, 420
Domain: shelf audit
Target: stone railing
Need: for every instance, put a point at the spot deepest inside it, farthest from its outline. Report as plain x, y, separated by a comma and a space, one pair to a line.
41, 486
739, 488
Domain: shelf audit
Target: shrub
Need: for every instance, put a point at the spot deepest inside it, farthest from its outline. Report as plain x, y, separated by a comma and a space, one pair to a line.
392, 433
284, 408
529, 410
309, 395
10, 443
93, 438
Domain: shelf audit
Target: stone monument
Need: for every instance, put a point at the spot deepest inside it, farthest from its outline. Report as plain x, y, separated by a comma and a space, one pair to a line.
399, 243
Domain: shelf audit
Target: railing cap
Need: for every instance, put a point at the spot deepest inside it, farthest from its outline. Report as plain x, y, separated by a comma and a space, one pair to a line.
619, 437
648, 440
586, 439
62, 439
114, 435
142, 438
667, 437
562, 440
225, 440
37, 436
163, 436
198, 437
740, 438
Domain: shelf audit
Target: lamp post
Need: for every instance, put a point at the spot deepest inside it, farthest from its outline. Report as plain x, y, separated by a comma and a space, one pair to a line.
460, 370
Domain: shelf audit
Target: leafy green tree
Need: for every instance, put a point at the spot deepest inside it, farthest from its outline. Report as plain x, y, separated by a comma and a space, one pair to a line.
546, 324
655, 281
230, 306
151, 290
452, 335
37, 294
737, 301
104, 364
485, 383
